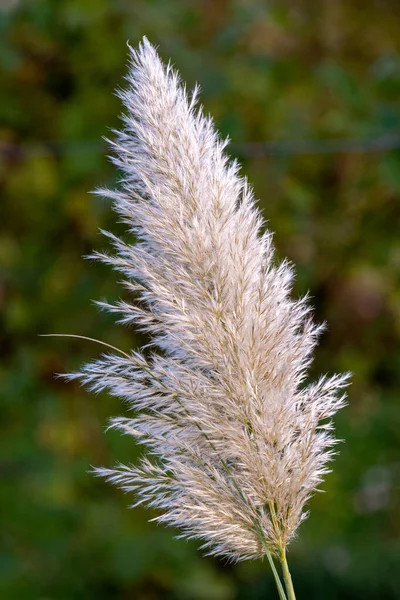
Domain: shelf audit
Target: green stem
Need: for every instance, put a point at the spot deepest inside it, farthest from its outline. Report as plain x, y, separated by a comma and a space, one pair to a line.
281, 591
287, 577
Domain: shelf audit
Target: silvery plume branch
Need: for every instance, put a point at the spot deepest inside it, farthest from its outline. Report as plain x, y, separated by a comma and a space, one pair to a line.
236, 440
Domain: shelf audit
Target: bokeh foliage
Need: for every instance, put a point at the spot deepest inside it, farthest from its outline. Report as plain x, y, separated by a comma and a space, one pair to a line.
269, 71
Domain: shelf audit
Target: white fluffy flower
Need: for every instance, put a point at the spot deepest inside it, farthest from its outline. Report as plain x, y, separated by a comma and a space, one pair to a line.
236, 441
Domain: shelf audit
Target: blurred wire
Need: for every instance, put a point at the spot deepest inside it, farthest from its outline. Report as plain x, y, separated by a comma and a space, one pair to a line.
382, 143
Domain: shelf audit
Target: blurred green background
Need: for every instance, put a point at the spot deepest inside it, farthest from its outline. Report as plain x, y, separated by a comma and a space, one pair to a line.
309, 93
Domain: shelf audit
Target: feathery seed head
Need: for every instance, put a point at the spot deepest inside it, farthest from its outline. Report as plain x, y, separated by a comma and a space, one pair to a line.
236, 441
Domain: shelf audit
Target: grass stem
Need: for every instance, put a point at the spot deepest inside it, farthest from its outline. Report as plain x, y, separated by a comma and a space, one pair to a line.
287, 577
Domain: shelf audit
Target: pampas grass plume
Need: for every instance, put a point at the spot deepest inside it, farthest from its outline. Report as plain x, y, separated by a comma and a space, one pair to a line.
236, 440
